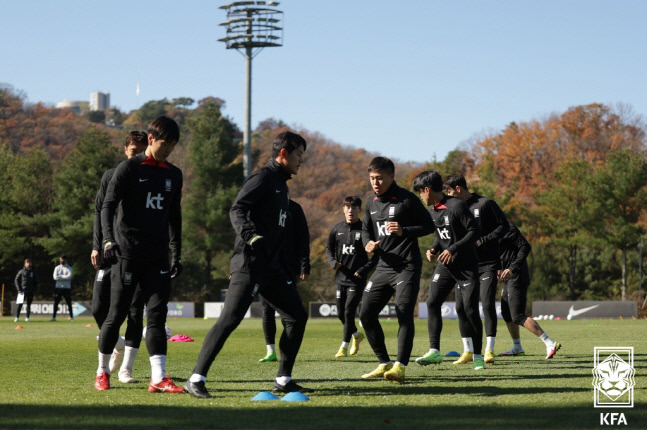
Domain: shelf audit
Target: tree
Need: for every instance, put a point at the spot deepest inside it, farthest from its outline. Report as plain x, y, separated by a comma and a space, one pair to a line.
96, 116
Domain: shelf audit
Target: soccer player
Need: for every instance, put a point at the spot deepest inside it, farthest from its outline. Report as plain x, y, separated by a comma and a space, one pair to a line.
493, 225
454, 247
148, 189
514, 249
295, 256
127, 348
63, 287
394, 220
259, 216
347, 256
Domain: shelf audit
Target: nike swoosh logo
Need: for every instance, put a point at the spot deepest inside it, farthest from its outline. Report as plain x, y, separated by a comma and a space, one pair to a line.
573, 313
372, 213
339, 234
289, 282
399, 282
485, 279
163, 272
143, 180
278, 191
465, 285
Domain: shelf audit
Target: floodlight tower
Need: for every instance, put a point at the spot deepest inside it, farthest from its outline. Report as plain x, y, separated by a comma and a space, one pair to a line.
251, 26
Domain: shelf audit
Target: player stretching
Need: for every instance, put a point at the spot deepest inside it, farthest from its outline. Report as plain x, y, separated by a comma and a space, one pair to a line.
394, 220
346, 255
493, 225
259, 216
456, 233
148, 190
127, 348
516, 279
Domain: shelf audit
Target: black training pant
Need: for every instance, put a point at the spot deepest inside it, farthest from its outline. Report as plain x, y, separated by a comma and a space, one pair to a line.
467, 305
269, 323
513, 301
154, 279
29, 297
383, 283
65, 293
348, 298
101, 306
488, 285
281, 293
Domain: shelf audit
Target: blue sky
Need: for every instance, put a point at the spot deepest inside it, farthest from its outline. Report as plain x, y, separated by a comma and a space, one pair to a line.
409, 79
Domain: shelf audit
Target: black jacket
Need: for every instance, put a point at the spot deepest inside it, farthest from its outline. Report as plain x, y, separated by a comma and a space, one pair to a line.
514, 251
261, 208
456, 231
150, 217
26, 280
396, 204
345, 247
492, 225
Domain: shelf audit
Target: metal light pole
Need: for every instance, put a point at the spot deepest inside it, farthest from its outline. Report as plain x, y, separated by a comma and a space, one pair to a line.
251, 26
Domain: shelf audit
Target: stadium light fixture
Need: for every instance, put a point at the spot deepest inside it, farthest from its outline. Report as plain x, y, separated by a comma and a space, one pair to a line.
251, 26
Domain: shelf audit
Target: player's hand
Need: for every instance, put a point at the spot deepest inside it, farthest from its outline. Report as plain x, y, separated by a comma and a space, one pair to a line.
431, 254
394, 227
304, 276
372, 246
110, 252
337, 266
95, 258
176, 269
357, 275
506, 275
445, 257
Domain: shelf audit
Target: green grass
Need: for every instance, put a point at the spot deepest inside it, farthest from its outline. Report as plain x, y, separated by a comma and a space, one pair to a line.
47, 374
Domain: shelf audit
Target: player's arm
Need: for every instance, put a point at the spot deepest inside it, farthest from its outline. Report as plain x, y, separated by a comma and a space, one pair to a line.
496, 217
523, 250
175, 225
114, 195
421, 224
248, 197
469, 225
331, 249
97, 234
370, 265
303, 237
368, 233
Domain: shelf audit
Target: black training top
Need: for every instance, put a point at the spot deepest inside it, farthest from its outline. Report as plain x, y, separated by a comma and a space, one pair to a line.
345, 247
493, 225
396, 204
261, 208
456, 231
150, 217
295, 253
514, 251
97, 233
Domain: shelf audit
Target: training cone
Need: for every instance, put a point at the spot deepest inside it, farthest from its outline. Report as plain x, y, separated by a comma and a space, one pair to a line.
19, 327
295, 396
89, 325
265, 395
452, 354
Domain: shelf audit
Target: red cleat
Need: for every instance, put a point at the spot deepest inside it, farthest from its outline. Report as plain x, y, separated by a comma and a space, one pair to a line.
166, 385
102, 382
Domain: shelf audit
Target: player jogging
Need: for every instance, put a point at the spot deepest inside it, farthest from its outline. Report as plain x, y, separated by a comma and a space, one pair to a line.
148, 189
127, 348
456, 233
516, 279
394, 220
347, 256
259, 216
493, 225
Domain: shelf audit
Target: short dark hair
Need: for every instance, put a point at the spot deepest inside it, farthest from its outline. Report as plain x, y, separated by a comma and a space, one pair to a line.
428, 178
164, 128
353, 201
381, 164
288, 140
64, 257
137, 137
455, 180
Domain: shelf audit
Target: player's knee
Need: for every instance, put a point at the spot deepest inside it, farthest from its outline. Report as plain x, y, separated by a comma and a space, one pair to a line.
520, 319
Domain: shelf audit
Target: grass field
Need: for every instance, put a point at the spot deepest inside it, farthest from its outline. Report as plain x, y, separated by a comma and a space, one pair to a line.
47, 374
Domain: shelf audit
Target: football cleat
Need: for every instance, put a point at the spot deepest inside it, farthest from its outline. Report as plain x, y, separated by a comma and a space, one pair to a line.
489, 356
354, 343
102, 382
513, 353
465, 358
115, 360
343, 352
396, 373
378, 372
16, 319
479, 364
290, 387
125, 377
429, 358
197, 389
271, 356
26, 319
166, 385
552, 350
53, 319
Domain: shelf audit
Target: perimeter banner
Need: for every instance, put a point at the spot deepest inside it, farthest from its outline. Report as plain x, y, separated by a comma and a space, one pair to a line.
584, 309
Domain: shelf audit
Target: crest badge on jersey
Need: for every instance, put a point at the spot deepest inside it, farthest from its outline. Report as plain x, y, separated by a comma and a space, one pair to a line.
128, 278
446, 220
358, 235
168, 185
391, 211
476, 213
